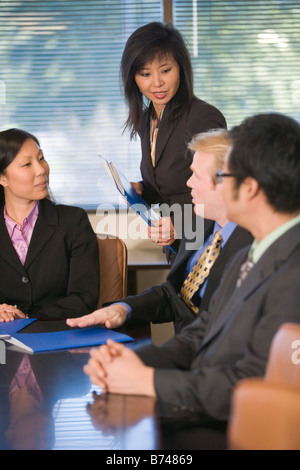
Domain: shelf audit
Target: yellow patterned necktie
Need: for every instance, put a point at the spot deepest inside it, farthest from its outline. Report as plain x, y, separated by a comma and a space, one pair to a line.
201, 271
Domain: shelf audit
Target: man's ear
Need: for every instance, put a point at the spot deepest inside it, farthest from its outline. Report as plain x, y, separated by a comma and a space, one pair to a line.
251, 188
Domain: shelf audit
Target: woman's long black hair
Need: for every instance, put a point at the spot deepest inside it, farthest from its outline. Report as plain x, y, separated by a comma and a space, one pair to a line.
151, 40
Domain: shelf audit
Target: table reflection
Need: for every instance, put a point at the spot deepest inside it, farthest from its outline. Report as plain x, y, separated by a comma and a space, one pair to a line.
47, 402
130, 419
30, 386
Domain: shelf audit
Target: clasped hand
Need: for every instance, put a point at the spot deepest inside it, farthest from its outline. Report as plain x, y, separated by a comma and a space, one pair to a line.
117, 369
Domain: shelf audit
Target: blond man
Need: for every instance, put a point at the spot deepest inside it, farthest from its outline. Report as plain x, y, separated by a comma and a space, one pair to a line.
168, 301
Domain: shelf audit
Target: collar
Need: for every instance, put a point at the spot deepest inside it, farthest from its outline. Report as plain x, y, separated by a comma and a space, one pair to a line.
226, 231
158, 122
258, 248
29, 220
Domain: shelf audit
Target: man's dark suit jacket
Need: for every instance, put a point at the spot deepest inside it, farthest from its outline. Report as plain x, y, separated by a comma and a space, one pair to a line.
164, 303
166, 182
60, 277
196, 370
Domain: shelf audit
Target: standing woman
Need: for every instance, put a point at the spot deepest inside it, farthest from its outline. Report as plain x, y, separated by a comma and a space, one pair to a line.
48, 253
158, 85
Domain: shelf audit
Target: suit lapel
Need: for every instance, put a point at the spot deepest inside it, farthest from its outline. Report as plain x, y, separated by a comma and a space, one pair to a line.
234, 303
7, 252
44, 229
179, 267
165, 130
269, 263
238, 240
233, 245
223, 257
145, 144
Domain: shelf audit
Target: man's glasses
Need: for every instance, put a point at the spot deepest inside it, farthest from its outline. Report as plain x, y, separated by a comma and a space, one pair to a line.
221, 174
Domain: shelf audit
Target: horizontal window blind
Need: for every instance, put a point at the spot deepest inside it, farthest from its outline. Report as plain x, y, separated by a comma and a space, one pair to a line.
245, 54
59, 79
59, 75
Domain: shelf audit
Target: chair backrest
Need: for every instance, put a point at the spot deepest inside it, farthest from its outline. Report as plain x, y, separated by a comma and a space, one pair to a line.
284, 361
264, 416
113, 269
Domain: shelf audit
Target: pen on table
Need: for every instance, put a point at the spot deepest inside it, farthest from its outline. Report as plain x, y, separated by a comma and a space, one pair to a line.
5, 337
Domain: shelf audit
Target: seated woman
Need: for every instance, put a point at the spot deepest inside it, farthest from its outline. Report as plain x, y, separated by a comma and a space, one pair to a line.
49, 264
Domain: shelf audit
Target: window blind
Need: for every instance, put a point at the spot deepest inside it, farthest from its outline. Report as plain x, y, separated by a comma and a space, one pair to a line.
59, 75
59, 79
245, 54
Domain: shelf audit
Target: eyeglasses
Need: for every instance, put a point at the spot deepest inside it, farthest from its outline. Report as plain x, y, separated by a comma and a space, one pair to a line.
221, 174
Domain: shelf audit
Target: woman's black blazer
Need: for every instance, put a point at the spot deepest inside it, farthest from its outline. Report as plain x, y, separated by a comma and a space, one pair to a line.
60, 277
166, 182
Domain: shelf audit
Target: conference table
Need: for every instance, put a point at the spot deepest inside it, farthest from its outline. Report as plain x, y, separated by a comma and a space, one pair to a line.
67, 412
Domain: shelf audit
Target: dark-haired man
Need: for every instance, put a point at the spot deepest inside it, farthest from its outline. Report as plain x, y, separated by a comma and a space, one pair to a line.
197, 369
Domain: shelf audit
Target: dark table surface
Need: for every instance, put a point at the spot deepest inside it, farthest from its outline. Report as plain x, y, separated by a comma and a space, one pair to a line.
70, 413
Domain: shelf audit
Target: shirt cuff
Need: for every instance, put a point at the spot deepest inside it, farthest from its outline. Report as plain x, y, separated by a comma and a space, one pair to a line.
128, 308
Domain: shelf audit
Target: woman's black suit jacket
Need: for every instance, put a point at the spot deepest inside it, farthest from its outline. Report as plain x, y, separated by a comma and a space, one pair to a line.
60, 277
166, 182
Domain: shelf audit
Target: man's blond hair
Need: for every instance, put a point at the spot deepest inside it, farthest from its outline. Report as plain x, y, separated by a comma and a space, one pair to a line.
215, 141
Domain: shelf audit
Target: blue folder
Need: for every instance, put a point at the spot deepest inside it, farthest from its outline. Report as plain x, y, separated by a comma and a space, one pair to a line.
69, 339
126, 190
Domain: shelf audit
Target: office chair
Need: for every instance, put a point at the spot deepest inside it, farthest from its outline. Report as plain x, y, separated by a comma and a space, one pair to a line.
281, 366
265, 416
113, 269
265, 411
